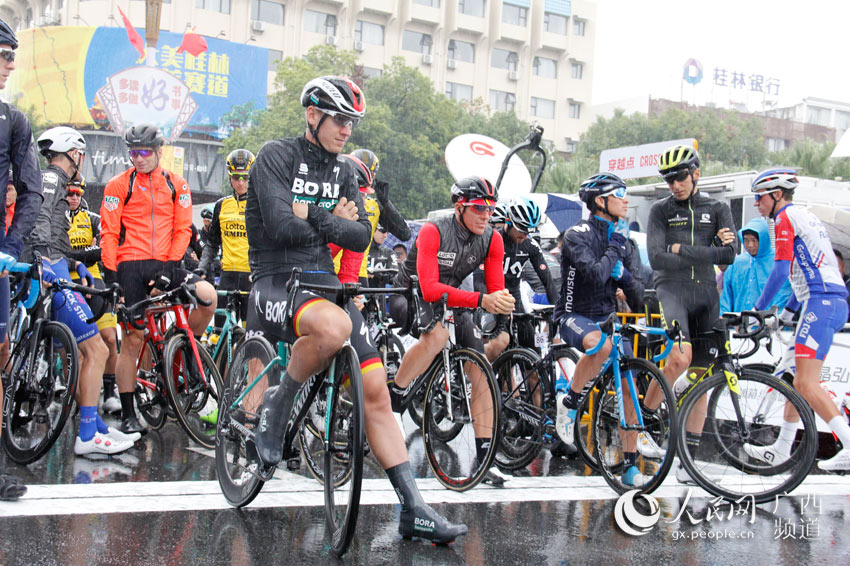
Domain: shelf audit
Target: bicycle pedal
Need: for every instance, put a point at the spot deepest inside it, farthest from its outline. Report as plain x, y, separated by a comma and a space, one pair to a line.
293, 464
256, 466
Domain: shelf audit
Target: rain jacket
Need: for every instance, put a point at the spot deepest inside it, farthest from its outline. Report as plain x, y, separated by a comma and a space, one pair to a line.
746, 277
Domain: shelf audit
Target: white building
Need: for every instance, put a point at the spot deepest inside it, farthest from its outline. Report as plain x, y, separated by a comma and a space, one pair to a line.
818, 111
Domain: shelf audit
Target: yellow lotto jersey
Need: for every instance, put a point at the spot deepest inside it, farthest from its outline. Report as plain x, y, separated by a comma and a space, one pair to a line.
373, 211
234, 239
83, 233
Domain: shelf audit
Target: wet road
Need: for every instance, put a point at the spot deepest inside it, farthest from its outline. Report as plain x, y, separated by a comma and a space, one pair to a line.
160, 504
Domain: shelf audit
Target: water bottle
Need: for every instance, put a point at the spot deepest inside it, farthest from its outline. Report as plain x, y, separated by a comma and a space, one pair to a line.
681, 385
561, 382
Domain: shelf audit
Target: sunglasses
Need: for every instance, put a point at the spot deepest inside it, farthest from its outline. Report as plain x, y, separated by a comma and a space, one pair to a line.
134, 153
679, 176
340, 119
619, 193
758, 196
239, 176
7, 54
74, 193
481, 208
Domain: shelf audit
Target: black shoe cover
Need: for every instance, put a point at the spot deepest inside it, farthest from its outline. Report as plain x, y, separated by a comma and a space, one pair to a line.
269, 436
423, 522
131, 425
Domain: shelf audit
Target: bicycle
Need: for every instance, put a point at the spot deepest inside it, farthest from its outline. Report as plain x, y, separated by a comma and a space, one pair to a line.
743, 406
255, 367
169, 365
230, 334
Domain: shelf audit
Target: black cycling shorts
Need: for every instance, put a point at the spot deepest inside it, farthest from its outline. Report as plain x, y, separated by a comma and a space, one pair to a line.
133, 276
267, 308
467, 334
233, 281
697, 307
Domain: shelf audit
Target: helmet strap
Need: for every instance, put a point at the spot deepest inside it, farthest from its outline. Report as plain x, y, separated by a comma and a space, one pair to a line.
773, 206
315, 131
693, 182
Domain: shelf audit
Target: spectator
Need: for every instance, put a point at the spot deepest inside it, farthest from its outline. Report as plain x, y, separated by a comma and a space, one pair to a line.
746, 277
400, 252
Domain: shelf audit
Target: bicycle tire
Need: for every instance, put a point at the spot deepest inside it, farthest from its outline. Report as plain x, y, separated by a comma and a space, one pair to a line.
716, 465
661, 424
346, 435
521, 422
151, 402
312, 442
37, 408
192, 394
471, 470
237, 335
238, 484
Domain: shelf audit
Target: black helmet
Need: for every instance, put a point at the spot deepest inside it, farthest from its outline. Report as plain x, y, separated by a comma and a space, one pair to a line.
239, 160
143, 135
472, 188
207, 212
7, 36
368, 158
676, 158
364, 175
599, 185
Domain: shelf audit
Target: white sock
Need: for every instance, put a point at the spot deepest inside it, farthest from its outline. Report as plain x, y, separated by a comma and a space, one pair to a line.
839, 426
787, 434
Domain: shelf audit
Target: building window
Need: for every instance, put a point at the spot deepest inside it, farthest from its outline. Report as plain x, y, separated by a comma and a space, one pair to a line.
545, 67
542, 107
471, 7
576, 70
267, 11
572, 146
516, 15
431, 3
222, 6
274, 57
575, 110
371, 72
501, 101
416, 42
776, 144
578, 26
461, 50
319, 22
504, 59
819, 116
367, 32
457, 91
555, 23
842, 120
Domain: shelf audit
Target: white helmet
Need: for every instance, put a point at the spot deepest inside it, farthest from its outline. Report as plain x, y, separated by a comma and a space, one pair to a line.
61, 139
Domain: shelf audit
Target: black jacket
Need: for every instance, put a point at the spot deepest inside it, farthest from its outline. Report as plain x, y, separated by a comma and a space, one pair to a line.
50, 233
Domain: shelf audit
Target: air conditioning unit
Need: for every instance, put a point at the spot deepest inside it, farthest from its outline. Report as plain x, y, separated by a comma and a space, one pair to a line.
512, 75
330, 39
427, 59
451, 63
258, 26
358, 46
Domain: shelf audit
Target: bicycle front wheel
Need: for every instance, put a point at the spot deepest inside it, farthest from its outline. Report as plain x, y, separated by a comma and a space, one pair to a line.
345, 436
150, 399
726, 462
462, 407
40, 396
237, 421
611, 442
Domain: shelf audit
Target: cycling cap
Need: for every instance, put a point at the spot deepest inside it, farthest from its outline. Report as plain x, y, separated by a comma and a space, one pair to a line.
472, 188
207, 212
7, 36
61, 139
77, 187
143, 135
239, 160
334, 93
599, 185
500, 214
678, 157
524, 214
368, 158
776, 178
364, 175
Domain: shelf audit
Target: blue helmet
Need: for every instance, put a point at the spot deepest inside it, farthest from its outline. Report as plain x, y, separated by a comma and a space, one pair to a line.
599, 185
523, 214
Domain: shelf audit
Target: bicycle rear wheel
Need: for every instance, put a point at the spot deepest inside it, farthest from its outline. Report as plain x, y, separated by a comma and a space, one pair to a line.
611, 442
151, 401
721, 465
40, 397
311, 437
238, 421
344, 440
521, 423
193, 392
458, 418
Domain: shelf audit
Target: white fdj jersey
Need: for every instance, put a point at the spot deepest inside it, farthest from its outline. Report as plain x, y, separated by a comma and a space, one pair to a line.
802, 239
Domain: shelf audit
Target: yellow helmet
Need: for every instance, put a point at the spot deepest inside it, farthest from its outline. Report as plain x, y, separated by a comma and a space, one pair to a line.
678, 157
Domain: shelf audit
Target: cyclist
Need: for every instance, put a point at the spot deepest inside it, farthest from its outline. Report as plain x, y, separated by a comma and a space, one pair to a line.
597, 259
17, 157
446, 251
146, 221
388, 215
64, 149
803, 255
302, 197
227, 231
84, 234
688, 234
